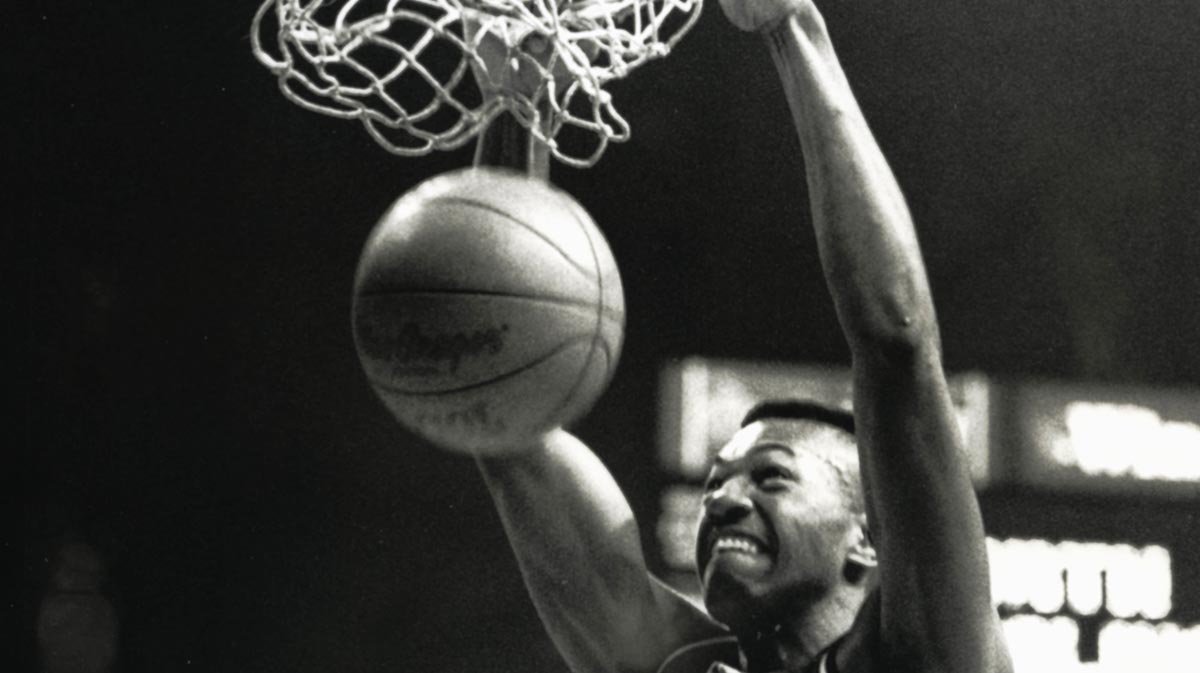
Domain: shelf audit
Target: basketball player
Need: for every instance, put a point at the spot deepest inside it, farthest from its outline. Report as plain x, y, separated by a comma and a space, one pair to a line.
826, 543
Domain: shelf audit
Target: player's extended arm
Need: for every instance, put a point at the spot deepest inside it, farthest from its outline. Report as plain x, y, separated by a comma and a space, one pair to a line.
936, 610
570, 527
579, 550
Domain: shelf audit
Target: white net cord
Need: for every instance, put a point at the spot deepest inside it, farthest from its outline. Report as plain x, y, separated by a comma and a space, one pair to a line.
424, 75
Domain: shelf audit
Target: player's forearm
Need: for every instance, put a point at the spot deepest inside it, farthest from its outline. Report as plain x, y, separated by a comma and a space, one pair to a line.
864, 231
577, 544
558, 499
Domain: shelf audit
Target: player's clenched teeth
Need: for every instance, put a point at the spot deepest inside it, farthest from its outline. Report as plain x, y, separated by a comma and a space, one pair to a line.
736, 543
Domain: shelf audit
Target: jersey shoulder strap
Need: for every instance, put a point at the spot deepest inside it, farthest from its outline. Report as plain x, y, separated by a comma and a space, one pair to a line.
699, 657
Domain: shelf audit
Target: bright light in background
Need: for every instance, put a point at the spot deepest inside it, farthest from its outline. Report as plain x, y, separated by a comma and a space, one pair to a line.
703, 402
1047, 645
1084, 585
1026, 573
1075, 575
1139, 583
1138, 646
1126, 440
677, 526
1042, 644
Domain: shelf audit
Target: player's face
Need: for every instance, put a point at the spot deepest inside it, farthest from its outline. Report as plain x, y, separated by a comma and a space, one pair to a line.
776, 520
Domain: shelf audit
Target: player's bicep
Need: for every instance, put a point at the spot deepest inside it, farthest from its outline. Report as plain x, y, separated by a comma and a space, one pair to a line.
936, 602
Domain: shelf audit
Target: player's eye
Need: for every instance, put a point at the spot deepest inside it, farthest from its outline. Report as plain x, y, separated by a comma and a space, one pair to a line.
713, 484
771, 476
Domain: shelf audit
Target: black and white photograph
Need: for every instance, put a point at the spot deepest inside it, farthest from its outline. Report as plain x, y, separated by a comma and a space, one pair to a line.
605, 336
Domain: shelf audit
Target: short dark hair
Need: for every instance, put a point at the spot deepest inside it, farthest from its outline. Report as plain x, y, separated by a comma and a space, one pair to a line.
805, 410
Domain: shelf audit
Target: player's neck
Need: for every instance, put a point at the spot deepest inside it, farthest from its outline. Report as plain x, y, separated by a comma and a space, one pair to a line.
810, 629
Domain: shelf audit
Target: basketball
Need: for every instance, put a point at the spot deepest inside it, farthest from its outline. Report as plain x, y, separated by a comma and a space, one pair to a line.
487, 310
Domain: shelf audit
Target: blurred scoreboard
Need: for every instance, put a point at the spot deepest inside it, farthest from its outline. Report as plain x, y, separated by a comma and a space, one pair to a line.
1090, 495
1106, 441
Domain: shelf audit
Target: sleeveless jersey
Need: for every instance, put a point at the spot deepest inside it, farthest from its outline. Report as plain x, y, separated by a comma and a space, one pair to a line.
720, 655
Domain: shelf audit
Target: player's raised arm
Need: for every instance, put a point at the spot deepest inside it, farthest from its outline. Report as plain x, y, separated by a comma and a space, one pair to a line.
935, 612
578, 547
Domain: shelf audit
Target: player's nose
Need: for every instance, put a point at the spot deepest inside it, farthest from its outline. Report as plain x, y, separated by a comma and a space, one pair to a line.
728, 503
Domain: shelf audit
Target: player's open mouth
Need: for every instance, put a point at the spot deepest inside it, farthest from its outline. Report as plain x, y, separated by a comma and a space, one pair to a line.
736, 544
737, 553
735, 547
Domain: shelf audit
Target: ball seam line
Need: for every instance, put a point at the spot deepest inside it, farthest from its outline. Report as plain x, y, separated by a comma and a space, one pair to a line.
583, 271
605, 310
569, 398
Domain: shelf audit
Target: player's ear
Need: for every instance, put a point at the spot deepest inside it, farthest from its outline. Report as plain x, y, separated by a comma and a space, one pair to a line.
860, 557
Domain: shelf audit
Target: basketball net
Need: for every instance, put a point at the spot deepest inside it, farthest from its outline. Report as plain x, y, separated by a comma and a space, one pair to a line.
424, 75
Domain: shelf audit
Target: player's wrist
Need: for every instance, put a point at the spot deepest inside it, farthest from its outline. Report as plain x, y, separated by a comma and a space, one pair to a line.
525, 457
804, 23
801, 49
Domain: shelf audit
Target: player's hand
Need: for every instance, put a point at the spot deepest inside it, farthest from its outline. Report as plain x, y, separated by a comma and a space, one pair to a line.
514, 60
502, 69
759, 15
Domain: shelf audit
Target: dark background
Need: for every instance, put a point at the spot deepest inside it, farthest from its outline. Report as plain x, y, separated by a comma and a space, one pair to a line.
185, 238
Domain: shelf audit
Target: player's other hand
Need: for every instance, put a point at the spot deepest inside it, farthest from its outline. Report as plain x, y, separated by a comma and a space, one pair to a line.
758, 15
